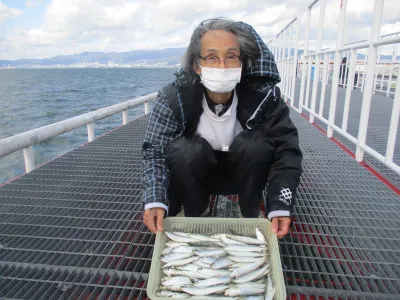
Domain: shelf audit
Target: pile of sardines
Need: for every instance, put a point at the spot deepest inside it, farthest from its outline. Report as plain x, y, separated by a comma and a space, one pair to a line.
220, 266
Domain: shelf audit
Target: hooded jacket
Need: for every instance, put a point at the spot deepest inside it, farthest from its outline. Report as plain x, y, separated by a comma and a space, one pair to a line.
177, 112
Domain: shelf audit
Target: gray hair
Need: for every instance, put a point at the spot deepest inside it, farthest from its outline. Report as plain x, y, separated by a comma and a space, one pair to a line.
248, 45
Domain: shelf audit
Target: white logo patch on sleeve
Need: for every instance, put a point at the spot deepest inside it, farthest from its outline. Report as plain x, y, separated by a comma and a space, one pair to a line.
285, 196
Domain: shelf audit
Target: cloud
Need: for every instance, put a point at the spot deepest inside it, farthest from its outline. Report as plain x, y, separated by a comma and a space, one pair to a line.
120, 25
7, 12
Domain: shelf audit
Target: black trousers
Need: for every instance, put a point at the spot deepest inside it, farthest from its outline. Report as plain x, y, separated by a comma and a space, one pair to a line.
196, 172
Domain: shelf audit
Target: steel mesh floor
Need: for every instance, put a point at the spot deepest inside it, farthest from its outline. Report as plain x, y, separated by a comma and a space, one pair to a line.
72, 229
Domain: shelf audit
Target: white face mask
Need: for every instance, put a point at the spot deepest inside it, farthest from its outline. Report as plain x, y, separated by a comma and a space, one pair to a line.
220, 80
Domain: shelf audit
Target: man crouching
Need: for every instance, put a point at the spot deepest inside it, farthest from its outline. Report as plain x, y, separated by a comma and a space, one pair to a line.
221, 128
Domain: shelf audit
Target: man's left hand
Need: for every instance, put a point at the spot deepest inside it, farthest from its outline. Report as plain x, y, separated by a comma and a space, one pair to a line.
280, 226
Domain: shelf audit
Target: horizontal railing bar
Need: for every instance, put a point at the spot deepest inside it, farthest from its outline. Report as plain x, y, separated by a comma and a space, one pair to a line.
383, 42
356, 46
17, 142
356, 42
390, 34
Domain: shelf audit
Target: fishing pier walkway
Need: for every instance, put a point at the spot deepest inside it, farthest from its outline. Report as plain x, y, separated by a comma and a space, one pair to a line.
72, 228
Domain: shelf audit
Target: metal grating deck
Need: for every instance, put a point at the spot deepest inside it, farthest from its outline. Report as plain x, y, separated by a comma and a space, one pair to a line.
72, 229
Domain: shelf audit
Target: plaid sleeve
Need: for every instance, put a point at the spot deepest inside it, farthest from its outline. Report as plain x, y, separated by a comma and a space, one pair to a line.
162, 129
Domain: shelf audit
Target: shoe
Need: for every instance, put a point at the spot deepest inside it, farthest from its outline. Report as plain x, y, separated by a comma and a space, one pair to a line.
205, 213
261, 215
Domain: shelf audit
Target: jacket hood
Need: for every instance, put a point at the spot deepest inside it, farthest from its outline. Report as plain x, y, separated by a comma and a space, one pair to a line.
261, 72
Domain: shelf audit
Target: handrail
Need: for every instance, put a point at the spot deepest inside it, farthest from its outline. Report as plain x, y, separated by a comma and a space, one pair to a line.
314, 70
26, 139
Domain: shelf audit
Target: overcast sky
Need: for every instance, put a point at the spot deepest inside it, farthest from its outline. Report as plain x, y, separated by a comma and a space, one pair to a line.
46, 28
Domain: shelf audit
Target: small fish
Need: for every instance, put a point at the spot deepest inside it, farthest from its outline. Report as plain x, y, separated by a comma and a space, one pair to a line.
214, 272
212, 281
172, 244
261, 276
167, 251
209, 259
184, 249
225, 240
248, 268
203, 291
190, 274
254, 284
218, 252
246, 240
223, 262
201, 264
245, 248
180, 262
246, 253
238, 264
189, 267
169, 294
199, 237
173, 288
260, 236
179, 238
175, 256
270, 290
177, 280
243, 259
244, 291
252, 275
199, 243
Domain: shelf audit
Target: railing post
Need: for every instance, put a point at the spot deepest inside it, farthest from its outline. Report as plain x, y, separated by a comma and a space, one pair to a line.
394, 120
369, 80
364, 67
289, 63
309, 69
377, 70
391, 71
336, 67
125, 117
350, 87
146, 108
304, 58
284, 61
317, 59
324, 81
295, 62
29, 159
90, 131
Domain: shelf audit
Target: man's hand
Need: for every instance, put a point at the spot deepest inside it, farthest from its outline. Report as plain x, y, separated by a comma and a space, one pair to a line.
280, 226
153, 219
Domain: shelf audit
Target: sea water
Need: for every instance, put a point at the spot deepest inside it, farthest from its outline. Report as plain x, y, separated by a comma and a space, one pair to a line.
33, 98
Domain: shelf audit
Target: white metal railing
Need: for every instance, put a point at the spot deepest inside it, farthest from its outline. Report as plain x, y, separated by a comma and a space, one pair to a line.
316, 67
26, 140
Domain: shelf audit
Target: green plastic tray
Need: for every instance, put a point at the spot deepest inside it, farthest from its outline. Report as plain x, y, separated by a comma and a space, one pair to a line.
213, 226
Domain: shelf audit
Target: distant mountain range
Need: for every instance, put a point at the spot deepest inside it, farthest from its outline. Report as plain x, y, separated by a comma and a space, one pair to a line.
170, 57
163, 57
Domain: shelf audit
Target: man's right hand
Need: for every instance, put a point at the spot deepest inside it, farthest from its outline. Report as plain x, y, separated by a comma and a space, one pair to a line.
153, 219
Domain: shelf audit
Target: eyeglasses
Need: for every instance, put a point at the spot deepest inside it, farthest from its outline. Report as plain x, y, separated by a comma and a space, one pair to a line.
231, 61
